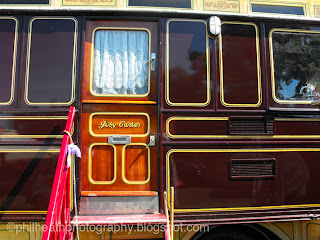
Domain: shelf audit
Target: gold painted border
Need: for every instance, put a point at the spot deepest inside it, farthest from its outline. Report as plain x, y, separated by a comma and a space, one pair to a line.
92, 62
173, 136
292, 31
35, 118
28, 151
192, 119
192, 6
123, 163
284, 4
167, 67
258, 70
297, 119
234, 151
73, 66
90, 165
118, 113
14, 59
23, 212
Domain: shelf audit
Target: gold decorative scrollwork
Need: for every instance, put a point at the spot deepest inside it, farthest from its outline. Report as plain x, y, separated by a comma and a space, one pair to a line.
232, 6
90, 2
317, 11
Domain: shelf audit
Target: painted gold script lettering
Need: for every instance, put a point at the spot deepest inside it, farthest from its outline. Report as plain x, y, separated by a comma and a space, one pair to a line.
129, 124
122, 124
105, 124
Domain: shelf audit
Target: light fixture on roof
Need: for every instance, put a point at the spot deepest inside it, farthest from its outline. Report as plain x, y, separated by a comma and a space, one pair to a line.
214, 26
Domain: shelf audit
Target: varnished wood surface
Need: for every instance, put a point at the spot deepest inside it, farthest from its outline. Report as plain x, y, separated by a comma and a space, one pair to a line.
102, 167
134, 167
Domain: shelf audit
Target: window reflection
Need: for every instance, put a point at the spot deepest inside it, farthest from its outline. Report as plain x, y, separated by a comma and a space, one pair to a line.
296, 65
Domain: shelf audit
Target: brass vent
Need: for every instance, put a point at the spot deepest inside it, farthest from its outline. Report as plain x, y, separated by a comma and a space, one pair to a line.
252, 168
251, 127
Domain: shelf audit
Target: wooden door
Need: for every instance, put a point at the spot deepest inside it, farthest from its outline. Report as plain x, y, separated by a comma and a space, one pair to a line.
119, 109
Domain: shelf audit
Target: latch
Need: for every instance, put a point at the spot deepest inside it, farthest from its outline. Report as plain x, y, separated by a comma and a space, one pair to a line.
152, 141
152, 62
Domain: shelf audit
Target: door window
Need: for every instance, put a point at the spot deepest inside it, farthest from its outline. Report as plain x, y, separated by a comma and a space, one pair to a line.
121, 62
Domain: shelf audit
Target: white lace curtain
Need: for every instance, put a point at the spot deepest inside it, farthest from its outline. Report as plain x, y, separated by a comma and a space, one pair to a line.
119, 62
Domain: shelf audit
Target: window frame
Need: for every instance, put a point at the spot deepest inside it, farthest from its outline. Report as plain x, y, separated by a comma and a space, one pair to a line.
272, 68
92, 63
27, 4
278, 4
27, 66
258, 56
14, 62
167, 65
165, 7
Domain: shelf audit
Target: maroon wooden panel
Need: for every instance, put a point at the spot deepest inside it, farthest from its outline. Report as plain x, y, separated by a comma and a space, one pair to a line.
187, 78
297, 127
26, 179
32, 129
204, 127
202, 179
199, 126
26, 125
240, 74
7, 59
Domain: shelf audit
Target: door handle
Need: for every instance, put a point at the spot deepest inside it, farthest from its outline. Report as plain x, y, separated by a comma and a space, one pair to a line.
153, 62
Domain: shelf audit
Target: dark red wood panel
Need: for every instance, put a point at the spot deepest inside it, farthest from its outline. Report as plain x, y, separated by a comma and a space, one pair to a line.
240, 75
197, 126
187, 74
201, 179
26, 179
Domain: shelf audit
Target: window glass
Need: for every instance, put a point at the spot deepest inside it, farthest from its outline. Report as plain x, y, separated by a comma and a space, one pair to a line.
240, 83
24, 2
187, 70
161, 3
277, 9
121, 62
296, 65
50, 74
8, 42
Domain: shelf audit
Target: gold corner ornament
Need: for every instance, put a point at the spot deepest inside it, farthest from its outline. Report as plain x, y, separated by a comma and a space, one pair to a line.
228, 6
121, 124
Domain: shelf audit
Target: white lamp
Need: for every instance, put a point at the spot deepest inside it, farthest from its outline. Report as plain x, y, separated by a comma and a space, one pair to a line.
214, 26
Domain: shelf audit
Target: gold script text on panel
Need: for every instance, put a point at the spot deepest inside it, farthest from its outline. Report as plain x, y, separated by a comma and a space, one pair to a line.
121, 124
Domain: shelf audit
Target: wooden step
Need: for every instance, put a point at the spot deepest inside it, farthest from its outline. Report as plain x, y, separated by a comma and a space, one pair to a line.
118, 205
133, 219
